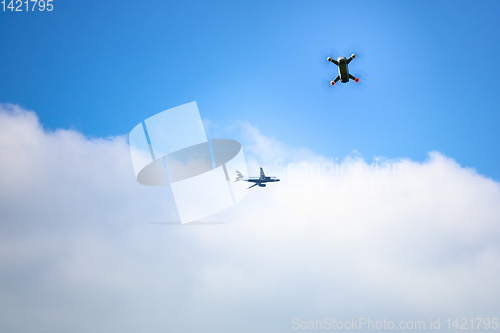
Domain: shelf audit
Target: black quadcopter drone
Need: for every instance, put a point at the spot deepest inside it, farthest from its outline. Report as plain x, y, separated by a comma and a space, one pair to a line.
344, 75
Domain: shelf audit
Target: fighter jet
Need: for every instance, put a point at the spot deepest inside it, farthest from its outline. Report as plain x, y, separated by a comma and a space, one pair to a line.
257, 180
344, 75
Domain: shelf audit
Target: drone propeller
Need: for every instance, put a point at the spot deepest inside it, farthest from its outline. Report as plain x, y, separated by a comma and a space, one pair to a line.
359, 51
324, 54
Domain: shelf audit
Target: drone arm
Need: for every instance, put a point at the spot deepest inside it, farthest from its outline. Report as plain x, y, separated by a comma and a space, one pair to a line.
332, 60
334, 81
350, 58
353, 78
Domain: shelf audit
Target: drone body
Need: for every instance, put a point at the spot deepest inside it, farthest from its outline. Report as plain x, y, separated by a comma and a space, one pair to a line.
344, 75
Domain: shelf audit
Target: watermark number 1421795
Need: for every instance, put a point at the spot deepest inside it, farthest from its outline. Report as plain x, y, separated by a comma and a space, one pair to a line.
27, 5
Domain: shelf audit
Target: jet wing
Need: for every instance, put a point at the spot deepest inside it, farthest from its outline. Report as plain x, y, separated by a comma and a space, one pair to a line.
253, 185
262, 174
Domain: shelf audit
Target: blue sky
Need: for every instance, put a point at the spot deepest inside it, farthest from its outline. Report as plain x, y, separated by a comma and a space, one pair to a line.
414, 240
428, 71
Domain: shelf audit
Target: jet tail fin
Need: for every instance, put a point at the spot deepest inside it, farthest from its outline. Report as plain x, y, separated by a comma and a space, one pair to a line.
262, 174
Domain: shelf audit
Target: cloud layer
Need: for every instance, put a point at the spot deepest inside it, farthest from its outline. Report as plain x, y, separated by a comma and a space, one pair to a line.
392, 239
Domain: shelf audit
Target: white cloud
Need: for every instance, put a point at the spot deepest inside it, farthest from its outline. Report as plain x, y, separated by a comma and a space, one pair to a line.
394, 239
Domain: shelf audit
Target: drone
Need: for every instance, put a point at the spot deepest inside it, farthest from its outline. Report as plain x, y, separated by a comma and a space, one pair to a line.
344, 75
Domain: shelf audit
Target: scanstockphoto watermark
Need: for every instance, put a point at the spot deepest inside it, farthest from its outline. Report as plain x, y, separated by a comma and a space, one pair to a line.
357, 324
367, 324
334, 168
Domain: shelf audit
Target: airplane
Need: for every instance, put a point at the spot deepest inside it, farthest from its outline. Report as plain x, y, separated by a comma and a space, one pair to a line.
344, 75
257, 180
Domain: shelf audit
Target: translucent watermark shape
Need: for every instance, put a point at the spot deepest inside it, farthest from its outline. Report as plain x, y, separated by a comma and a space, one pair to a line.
171, 149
